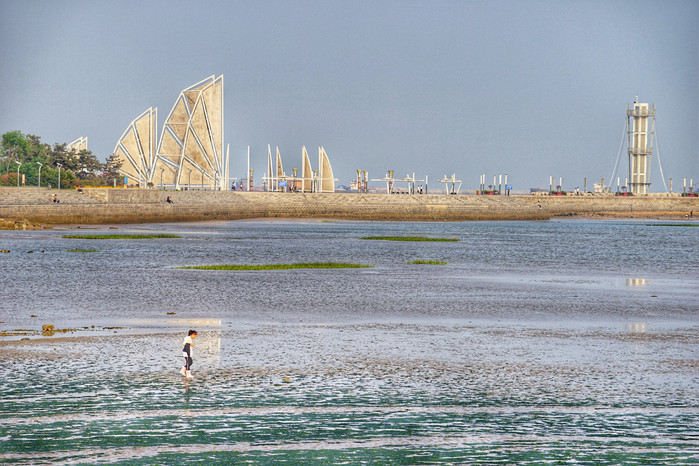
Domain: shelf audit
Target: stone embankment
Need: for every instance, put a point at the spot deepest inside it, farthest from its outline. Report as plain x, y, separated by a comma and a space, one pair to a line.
112, 206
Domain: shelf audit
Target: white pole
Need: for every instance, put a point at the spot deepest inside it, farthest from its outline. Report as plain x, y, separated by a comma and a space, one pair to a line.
247, 174
226, 179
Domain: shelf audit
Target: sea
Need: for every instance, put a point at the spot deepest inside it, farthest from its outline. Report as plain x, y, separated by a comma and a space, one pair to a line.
569, 341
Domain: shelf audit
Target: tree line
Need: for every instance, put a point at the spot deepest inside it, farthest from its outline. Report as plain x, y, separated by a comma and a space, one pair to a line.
25, 155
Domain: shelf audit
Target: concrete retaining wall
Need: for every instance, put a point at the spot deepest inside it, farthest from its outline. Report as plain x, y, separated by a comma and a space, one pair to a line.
104, 206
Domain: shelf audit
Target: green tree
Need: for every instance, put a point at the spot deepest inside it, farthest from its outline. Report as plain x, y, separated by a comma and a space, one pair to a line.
31, 173
39, 151
59, 154
49, 176
111, 170
88, 165
14, 148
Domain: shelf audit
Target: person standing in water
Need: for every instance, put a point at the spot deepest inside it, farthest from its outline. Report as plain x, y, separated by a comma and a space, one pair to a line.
187, 353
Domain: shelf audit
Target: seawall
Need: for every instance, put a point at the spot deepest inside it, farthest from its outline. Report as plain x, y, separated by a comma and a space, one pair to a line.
114, 206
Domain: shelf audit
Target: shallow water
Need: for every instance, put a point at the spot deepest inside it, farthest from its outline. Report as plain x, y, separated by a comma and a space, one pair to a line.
570, 341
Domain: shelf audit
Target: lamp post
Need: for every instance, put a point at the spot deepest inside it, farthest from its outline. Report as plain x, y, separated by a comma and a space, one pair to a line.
59, 175
19, 164
40, 165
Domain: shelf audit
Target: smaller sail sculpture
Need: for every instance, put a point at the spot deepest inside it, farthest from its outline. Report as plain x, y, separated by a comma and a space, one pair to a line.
320, 181
306, 172
136, 149
77, 145
276, 181
326, 180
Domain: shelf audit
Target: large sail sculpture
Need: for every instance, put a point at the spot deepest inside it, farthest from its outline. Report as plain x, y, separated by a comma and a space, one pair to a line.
191, 143
136, 149
190, 151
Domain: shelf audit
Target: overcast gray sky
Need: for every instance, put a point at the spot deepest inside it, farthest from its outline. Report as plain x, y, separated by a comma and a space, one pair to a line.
528, 88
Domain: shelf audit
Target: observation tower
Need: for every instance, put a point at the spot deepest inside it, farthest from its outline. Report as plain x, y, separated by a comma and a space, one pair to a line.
640, 145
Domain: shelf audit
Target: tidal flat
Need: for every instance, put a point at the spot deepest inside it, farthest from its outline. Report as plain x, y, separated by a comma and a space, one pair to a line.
536, 342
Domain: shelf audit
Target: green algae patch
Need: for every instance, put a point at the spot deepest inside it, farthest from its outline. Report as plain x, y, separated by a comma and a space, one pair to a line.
407, 238
303, 265
163, 235
428, 262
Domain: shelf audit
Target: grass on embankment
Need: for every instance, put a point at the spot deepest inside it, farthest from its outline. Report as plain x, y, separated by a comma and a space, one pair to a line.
407, 238
309, 265
428, 262
120, 236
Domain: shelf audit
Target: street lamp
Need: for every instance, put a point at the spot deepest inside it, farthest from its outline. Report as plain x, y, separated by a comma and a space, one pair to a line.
59, 175
19, 164
40, 165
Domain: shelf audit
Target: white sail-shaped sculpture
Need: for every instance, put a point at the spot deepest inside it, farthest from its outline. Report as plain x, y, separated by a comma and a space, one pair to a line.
191, 142
327, 180
306, 172
136, 148
270, 174
280, 169
77, 145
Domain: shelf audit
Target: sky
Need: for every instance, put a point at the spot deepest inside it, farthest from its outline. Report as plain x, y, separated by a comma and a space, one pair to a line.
528, 88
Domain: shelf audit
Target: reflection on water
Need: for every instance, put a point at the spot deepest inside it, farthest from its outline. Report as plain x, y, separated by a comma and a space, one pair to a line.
636, 282
638, 327
522, 349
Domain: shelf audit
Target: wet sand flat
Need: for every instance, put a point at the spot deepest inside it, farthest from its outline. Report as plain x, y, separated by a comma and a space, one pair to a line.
537, 342
383, 391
